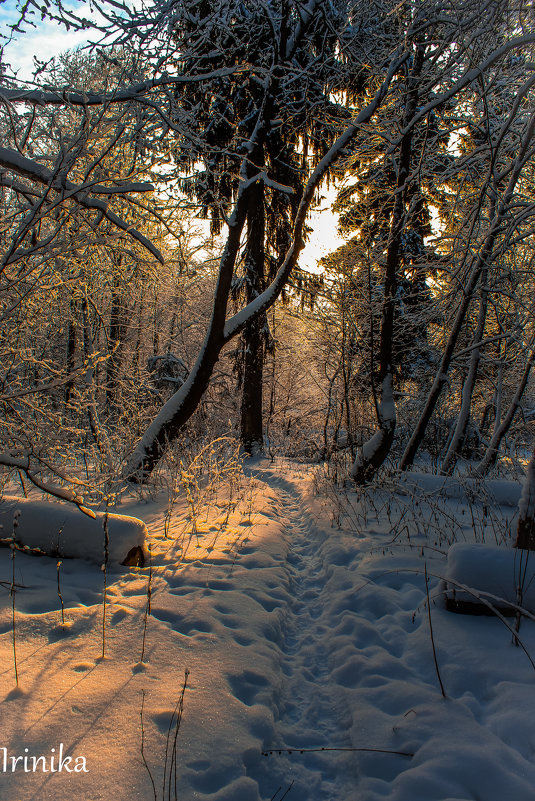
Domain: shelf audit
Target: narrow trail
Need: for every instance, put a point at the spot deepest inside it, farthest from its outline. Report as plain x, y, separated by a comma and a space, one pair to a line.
311, 711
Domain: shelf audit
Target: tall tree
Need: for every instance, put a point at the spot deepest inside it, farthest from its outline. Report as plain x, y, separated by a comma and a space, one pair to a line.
301, 46
387, 207
486, 244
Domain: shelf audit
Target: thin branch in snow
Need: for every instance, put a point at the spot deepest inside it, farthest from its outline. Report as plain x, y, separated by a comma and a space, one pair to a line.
435, 660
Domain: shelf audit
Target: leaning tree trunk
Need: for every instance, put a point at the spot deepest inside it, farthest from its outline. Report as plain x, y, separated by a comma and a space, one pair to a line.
179, 408
373, 453
461, 425
251, 417
177, 411
525, 532
489, 460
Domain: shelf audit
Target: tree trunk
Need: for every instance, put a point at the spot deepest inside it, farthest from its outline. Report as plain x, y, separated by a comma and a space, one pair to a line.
177, 411
71, 349
117, 333
251, 418
501, 429
98, 432
448, 465
373, 453
525, 532
251, 429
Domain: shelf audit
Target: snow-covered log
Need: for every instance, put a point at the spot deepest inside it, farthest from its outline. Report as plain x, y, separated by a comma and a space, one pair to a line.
499, 492
480, 578
63, 531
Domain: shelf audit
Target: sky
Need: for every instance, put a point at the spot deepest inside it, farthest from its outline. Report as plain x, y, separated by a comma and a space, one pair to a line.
46, 40
49, 39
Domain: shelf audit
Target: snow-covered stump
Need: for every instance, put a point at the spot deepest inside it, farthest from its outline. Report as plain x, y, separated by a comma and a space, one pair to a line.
63, 531
483, 580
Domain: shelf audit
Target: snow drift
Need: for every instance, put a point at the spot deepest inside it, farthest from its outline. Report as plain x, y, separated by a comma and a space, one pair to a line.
497, 491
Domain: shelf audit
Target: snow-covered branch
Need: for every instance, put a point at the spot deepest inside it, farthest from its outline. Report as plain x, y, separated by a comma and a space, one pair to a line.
24, 465
62, 97
236, 323
27, 168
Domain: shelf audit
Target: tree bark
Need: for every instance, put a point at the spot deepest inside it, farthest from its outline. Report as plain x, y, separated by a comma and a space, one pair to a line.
251, 422
117, 333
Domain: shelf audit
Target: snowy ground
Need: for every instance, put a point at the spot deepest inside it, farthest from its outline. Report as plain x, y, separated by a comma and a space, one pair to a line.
301, 615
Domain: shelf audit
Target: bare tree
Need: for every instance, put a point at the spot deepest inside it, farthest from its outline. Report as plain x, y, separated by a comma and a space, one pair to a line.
501, 220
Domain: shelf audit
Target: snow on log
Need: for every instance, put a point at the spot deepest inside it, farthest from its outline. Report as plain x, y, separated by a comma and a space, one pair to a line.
480, 578
62, 530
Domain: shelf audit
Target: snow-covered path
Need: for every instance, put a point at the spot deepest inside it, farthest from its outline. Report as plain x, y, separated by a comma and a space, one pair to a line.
358, 672
297, 636
310, 715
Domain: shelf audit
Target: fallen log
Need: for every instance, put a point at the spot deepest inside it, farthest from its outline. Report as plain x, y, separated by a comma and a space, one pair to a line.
62, 531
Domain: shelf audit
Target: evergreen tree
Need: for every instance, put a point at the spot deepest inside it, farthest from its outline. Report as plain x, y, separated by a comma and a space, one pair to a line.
297, 44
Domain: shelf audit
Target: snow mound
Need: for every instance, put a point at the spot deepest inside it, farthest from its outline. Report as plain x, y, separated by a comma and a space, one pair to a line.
501, 576
62, 530
498, 491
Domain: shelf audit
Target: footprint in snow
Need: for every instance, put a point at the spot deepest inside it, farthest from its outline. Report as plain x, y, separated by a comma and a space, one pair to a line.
82, 667
164, 719
119, 615
246, 686
187, 627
